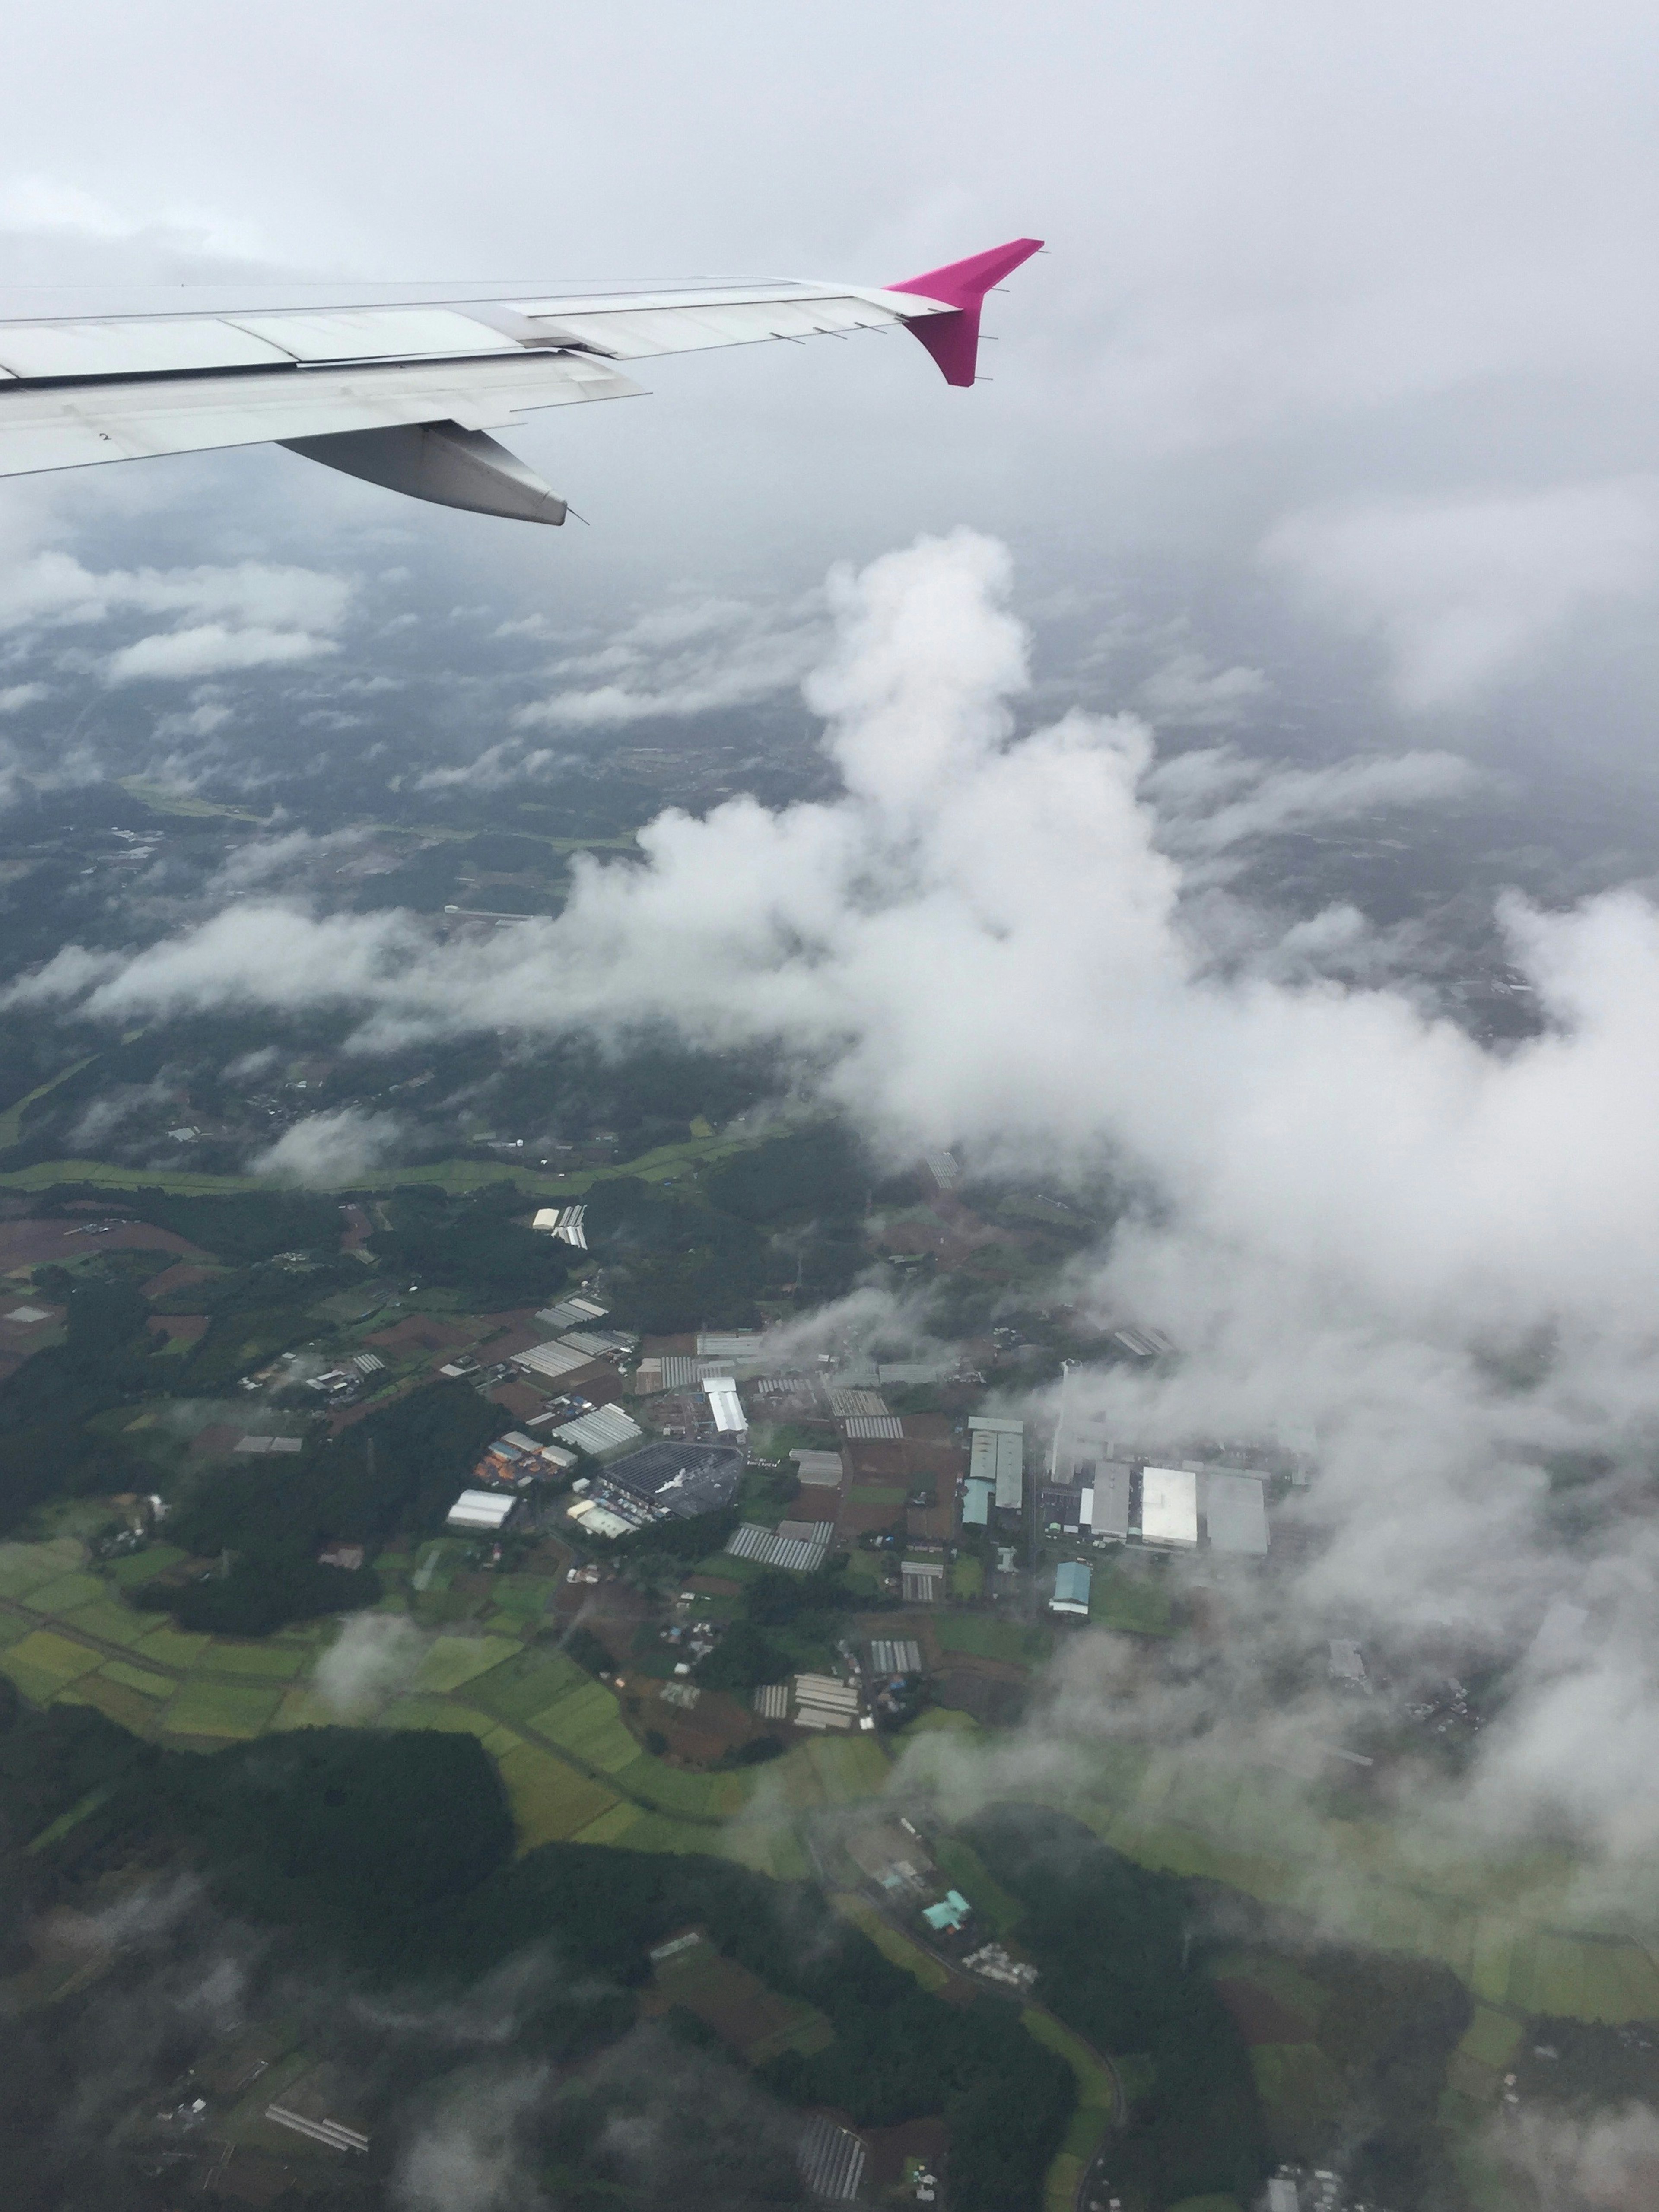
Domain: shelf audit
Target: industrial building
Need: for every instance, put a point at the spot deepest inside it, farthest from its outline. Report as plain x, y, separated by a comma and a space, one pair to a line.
1168, 1507
818, 1470
482, 1511
606, 1428
977, 1497
595, 1518
683, 1479
1235, 1512
518, 1460
564, 1222
1071, 1590
679, 1370
1095, 1505
725, 1407
731, 1343
997, 1456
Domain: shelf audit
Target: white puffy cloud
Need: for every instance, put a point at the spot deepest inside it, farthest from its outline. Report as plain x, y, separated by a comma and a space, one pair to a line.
246, 616
52, 586
1462, 593
291, 853
14, 697
209, 649
1442, 1259
1187, 693
693, 657
326, 1150
1210, 800
1605, 2162
374, 1655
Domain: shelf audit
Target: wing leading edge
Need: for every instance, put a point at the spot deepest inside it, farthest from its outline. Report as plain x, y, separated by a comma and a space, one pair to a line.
403, 396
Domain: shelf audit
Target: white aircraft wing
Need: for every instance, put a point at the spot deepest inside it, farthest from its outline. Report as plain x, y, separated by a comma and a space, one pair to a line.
405, 396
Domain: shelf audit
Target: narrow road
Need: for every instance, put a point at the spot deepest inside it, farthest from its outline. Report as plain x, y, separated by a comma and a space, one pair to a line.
1087, 2184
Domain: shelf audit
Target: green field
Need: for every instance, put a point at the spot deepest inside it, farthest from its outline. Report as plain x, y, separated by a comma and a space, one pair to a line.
139, 1679
455, 1176
1097, 2106
961, 1866
587, 1724
1133, 1603
1498, 1925
235, 1710
11, 1121
25, 1567
551, 1800
268, 1662
110, 1621
452, 1660
888, 1941
170, 1647
986, 1638
42, 1663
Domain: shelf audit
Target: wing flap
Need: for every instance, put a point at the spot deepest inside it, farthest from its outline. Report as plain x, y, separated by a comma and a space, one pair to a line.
45, 428
371, 333
75, 392
142, 346
637, 328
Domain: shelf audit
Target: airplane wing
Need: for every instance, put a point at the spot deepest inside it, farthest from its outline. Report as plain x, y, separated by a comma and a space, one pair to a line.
406, 396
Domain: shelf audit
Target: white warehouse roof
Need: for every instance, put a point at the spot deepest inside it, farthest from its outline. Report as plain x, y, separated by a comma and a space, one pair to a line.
1169, 1505
480, 1509
551, 1360
1235, 1512
726, 1406
1111, 1499
605, 1429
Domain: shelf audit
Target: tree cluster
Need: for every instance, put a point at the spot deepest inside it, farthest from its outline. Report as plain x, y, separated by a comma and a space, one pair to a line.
1122, 1958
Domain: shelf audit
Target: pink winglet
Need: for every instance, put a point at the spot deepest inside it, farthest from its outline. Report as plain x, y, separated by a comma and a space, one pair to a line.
953, 340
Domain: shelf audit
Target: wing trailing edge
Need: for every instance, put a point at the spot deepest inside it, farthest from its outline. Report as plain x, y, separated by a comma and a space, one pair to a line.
403, 395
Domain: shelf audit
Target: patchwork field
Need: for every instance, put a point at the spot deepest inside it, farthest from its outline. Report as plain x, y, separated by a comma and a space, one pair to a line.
987, 1637
753, 2019
574, 1767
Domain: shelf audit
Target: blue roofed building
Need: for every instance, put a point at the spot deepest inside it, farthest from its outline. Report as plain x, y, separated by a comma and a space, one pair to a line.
1071, 1590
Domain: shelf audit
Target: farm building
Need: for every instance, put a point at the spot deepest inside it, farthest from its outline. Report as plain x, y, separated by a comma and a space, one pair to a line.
1071, 1590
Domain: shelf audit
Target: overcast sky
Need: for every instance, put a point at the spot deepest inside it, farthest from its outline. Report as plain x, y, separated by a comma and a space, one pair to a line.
1343, 357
